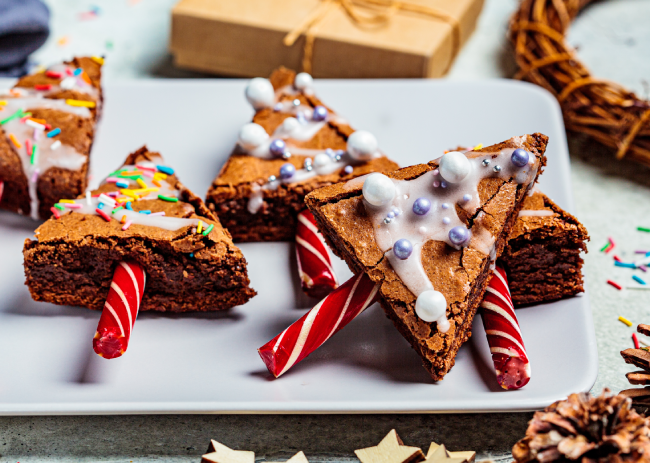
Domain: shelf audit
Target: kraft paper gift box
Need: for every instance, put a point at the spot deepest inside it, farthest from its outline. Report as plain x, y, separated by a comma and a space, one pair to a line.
328, 38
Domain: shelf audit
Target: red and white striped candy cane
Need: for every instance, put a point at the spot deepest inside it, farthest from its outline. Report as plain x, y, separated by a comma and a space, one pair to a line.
504, 336
120, 311
317, 276
331, 314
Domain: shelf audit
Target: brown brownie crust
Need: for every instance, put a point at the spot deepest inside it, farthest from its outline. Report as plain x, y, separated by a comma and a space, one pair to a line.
276, 220
73, 259
460, 275
76, 131
542, 257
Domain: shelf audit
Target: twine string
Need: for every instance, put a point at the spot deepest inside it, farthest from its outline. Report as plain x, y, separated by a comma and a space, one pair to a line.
365, 14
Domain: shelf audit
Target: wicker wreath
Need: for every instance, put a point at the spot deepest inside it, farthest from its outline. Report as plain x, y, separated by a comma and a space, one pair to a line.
599, 108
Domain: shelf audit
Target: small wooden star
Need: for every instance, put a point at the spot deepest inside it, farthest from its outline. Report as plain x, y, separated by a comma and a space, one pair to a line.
390, 450
438, 453
219, 453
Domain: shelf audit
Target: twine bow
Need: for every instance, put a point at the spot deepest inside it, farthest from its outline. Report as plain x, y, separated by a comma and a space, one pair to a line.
369, 14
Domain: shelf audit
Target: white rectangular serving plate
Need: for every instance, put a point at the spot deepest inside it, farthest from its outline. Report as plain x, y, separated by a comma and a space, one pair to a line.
208, 363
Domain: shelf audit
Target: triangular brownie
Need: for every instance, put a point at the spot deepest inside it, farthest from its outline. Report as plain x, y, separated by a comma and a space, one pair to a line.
141, 213
294, 145
429, 233
47, 127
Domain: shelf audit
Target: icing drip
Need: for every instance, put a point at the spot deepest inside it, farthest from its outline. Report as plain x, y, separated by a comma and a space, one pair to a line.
49, 152
403, 227
89, 205
302, 125
530, 213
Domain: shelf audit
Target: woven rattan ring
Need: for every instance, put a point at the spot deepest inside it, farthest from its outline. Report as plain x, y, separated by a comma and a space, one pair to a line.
596, 107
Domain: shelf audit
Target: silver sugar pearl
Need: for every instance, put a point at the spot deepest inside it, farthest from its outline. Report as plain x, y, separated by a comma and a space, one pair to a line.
308, 167
272, 178
387, 220
337, 157
497, 168
296, 102
286, 155
486, 162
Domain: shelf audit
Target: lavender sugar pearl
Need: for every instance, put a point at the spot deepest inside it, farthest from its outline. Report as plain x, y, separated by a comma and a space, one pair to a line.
277, 147
520, 157
287, 171
320, 113
459, 235
421, 206
402, 249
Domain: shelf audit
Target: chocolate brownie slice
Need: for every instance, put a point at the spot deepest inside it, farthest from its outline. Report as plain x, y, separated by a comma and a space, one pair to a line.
429, 233
47, 126
542, 257
142, 213
295, 145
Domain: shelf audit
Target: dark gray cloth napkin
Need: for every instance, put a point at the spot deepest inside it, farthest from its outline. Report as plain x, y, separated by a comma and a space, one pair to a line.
23, 29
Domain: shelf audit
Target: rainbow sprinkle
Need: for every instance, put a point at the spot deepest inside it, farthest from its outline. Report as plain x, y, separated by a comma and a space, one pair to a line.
103, 214
199, 227
14, 141
126, 226
636, 341
614, 284
15, 115
625, 320
624, 264
168, 199
639, 280
207, 231
53, 133
55, 145
170, 171
80, 103
643, 229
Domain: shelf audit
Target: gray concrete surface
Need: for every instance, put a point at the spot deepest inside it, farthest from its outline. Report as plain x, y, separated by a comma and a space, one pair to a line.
612, 199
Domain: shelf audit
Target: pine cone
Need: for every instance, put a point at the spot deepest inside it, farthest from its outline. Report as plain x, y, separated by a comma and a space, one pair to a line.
588, 429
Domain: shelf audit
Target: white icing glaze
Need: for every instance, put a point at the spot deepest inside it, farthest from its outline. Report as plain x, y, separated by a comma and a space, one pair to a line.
300, 127
541, 213
48, 154
396, 220
89, 205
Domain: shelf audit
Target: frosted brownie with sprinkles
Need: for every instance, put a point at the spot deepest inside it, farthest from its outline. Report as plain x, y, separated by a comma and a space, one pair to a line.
429, 234
47, 126
294, 145
141, 213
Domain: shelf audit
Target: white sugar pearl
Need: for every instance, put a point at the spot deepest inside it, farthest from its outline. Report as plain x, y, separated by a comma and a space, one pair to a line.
378, 189
260, 93
290, 125
430, 305
321, 162
252, 135
362, 145
454, 166
303, 81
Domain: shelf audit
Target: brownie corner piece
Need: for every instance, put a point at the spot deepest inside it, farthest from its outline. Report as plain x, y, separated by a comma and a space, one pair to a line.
456, 232
190, 260
543, 257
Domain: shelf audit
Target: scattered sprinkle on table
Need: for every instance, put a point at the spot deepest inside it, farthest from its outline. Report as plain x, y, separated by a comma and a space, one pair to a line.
625, 321
618, 263
636, 341
643, 229
53, 133
168, 199
639, 279
614, 284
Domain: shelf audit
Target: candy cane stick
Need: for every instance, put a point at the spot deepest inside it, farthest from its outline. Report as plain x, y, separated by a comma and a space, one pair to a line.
122, 304
503, 333
317, 276
331, 314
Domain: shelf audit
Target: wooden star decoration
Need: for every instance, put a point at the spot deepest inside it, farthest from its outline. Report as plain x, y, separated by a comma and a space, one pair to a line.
219, 453
438, 453
390, 450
